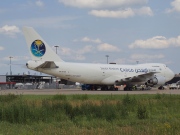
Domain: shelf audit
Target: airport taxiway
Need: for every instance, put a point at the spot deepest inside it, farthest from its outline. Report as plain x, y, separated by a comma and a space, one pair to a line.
78, 91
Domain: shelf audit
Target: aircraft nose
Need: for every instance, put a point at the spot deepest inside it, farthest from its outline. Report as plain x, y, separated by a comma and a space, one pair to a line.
171, 74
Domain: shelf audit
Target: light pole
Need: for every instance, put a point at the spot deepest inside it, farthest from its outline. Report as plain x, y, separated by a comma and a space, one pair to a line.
107, 58
10, 64
56, 48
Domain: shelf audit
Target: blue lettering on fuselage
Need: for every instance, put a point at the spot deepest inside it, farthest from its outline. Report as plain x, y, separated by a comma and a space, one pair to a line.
141, 70
126, 70
138, 70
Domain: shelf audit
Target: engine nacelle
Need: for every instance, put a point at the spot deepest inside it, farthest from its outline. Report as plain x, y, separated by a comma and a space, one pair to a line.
158, 80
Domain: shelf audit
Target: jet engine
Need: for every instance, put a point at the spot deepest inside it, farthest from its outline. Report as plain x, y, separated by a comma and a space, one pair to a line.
158, 80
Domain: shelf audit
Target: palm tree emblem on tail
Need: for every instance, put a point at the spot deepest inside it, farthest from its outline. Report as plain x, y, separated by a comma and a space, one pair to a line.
38, 48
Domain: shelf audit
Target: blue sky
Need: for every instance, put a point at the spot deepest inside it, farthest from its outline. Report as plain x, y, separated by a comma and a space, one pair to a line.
86, 30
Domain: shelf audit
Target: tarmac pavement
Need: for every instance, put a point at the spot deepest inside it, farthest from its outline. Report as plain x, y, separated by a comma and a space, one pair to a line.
79, 91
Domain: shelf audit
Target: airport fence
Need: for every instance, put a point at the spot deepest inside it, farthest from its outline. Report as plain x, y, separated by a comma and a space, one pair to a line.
41, 85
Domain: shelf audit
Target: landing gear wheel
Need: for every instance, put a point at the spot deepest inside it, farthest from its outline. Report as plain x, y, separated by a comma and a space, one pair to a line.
128, 88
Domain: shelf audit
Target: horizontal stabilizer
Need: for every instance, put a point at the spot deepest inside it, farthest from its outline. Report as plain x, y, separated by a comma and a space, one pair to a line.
47, 64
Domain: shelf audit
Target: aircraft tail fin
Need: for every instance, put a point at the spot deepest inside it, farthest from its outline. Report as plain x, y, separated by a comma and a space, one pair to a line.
39, 49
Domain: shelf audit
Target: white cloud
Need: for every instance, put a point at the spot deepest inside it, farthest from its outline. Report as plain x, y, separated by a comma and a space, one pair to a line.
113, 14
75, 54
84, 50
128, 12
175, 41
175, 6
65, 51
39, 3
144, 11
52, 22
146, 56
79, 57
86, 39
125, 61
157, 42
108, 48
6, 59
68, 51
9, 30
1, 48
121, 61
79, 54
108, 4
19, 58
101, 3
100, 47
16, 58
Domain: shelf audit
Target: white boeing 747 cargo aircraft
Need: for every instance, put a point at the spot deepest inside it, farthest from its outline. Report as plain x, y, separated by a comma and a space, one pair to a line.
104, 76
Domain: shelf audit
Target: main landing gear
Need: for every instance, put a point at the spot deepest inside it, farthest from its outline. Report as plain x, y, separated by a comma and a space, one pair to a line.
109, 88
99, 87
128, 88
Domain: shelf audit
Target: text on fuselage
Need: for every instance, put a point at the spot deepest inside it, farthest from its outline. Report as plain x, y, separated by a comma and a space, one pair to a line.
136, 70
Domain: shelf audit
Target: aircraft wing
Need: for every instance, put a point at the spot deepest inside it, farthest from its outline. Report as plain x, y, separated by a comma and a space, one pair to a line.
138, 78
47, 65
128, 79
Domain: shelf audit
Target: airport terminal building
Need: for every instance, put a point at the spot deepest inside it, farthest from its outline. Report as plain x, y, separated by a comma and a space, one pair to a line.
32, 82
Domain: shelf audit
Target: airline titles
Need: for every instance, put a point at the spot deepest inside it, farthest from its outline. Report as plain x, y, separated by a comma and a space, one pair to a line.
136, 70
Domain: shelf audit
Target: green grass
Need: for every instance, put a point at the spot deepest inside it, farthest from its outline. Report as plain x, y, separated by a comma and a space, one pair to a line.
90, 114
